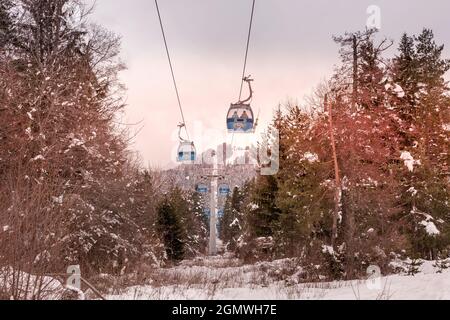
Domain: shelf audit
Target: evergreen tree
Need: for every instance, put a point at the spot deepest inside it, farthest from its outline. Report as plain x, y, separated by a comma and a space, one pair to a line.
425, 192
413, 267
371, 142
300, 196
371, 73
262, 211
362, 66
191, 228
431, 65
58, 97
196, 225
231, 221
5, 22
170, 227
406, 74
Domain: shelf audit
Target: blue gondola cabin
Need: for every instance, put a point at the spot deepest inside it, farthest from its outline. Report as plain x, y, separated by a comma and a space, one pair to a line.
240, 118
186, 152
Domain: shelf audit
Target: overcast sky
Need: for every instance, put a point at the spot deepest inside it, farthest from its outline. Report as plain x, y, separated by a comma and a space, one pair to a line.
291, 52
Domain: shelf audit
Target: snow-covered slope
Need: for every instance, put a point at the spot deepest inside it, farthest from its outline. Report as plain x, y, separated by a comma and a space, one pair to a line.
225, 279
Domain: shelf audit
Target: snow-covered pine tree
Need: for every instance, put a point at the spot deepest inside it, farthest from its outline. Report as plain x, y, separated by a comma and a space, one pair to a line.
413, 267
196, 224
262, 212
300, 197
425, 193
187, 221
362, 66
259, 216
171, 229
232, 219
366, 139
405, 74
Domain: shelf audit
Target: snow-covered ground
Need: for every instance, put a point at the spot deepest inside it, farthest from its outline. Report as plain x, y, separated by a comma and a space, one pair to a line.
222, 278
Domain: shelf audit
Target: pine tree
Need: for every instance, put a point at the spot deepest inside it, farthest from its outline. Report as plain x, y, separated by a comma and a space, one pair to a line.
425, 191
434, 100
231, 221
406, 75
196, 225
413, 267
5, 22
371, 73
362, 63
262, 211
300, 195
441, 264
193, 224
432, 66
170, 226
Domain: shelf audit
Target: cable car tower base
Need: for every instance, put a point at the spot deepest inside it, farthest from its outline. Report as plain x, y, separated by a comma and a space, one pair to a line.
214, 176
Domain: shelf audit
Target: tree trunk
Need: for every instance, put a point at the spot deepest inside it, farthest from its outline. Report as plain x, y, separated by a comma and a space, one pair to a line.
355, 72
338, 190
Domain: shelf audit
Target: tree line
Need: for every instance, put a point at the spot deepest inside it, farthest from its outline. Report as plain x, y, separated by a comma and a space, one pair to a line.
71, 192
364, 166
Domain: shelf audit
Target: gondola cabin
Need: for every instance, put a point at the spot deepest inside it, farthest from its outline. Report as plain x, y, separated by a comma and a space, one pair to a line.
202, 188
186, 152
240, 118
224, 190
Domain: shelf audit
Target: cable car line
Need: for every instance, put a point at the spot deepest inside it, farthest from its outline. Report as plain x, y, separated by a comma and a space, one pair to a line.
247, 48
245, 65
171, 70
240, 117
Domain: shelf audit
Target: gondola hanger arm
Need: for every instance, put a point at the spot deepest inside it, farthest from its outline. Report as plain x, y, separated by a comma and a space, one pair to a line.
249, 81
181, 125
